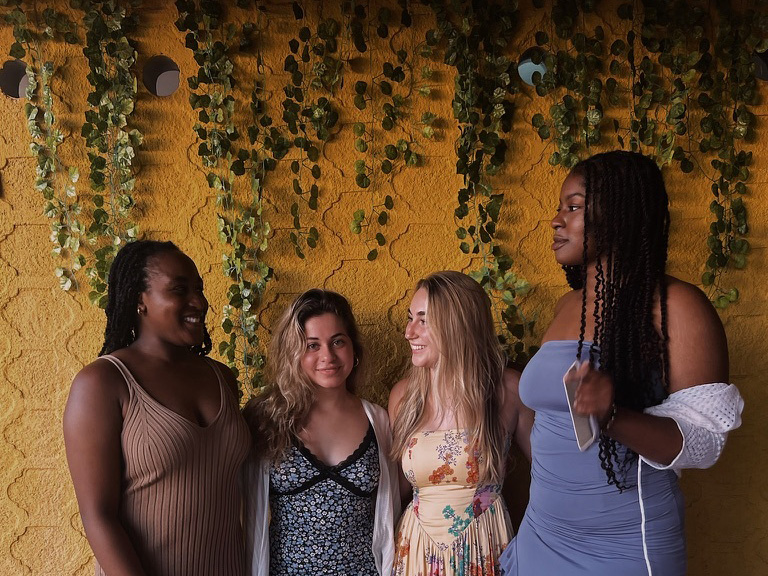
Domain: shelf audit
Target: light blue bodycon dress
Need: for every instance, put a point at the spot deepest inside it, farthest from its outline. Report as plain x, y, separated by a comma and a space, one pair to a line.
576, 523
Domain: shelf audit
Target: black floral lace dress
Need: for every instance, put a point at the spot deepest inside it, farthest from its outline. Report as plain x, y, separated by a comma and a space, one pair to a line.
322, 516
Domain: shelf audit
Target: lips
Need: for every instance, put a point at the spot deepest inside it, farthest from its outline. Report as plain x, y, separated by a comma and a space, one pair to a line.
329, 370
558, 243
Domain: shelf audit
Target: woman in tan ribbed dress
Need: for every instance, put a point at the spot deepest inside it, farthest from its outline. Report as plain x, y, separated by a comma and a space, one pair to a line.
155, 441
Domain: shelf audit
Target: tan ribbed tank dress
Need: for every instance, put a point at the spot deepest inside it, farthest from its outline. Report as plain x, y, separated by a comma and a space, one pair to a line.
181, 493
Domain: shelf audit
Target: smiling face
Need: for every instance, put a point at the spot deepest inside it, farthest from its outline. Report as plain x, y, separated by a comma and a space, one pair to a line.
173, 307
568, 223
329, 356
424, 352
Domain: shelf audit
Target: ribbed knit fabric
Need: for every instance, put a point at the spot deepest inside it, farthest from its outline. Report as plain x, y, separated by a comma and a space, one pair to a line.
181, 492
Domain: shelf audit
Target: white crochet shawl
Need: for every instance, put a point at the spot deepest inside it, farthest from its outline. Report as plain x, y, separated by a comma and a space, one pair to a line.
704, 414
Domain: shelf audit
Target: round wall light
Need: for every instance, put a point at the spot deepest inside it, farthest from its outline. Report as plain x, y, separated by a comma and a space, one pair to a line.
13, 79
761, 65
161, 76
531, 61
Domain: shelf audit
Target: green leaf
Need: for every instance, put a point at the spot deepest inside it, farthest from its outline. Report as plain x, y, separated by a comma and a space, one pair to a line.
17, 51
362, 180
372, 255
390, 151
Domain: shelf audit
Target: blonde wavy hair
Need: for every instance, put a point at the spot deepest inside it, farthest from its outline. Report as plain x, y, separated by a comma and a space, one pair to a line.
279, 412
468, 374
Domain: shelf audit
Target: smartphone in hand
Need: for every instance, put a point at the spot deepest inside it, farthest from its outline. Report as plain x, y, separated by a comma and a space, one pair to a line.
585, 427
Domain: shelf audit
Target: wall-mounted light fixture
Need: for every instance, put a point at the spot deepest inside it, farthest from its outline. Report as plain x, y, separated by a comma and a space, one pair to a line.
761, 65
531, 61
161, 76
13, 79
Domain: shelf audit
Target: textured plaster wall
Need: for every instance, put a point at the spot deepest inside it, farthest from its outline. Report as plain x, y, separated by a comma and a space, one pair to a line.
46, 335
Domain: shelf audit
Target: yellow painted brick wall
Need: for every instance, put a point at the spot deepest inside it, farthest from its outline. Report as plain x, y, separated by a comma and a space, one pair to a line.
46, 335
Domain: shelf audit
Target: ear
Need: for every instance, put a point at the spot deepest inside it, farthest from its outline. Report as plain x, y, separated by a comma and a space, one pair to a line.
141, 308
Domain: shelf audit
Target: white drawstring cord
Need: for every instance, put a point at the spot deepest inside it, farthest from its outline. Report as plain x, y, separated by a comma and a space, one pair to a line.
642, 513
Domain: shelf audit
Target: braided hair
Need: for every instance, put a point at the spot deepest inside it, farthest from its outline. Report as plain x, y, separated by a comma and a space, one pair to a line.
627, 218
127, 279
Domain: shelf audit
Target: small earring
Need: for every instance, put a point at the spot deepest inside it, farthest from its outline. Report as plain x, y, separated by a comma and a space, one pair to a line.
357, 361
133, 333
138, 310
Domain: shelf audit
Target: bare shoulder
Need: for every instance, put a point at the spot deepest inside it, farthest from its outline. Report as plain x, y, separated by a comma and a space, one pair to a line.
689, 308
98, 391
698, 349
511, 380
395, 397
100, 378
569, 299
228, 375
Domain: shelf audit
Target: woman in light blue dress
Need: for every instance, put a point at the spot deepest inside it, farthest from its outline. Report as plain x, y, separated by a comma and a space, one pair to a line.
654, 367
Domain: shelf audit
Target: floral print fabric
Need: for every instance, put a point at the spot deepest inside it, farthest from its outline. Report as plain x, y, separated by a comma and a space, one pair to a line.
322, 516
453, 526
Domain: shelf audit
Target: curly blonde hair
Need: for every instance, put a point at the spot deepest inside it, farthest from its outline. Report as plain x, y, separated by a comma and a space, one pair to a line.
279, 412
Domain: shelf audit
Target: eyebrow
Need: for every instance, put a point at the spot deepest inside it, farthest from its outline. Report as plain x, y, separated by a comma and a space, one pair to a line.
334, 336
420, 313
572, 194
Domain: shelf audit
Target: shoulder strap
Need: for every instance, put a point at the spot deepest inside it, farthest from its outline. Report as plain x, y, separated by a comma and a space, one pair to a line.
127, 376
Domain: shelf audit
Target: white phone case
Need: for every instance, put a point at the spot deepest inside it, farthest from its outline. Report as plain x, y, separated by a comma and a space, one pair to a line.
585, 427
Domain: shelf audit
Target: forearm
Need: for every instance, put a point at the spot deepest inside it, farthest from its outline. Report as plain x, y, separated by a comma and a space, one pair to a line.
111, 546
653, 437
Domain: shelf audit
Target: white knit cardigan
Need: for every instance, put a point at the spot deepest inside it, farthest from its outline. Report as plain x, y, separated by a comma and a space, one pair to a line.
704, 414
387, 510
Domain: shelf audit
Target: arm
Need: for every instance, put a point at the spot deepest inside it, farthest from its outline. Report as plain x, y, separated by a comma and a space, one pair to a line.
395, 397
93, 420
697, 355
518, 416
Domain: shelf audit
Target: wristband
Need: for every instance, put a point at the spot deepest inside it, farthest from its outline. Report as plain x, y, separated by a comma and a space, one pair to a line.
607, 426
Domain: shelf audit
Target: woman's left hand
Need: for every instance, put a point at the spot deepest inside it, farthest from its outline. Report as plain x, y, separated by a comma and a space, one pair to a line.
594, 394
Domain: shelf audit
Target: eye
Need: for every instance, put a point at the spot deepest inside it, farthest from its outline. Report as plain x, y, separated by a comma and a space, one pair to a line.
313, 346
339, 342
574, 207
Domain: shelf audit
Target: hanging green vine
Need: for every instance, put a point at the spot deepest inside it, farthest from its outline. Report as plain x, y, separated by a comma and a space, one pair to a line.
385, 99
237, 173
677, 57
475, 38
574, 66
32, 31
107, 133
314, 67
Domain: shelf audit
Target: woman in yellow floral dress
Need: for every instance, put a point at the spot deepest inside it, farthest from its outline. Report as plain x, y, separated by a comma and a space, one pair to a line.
453, 417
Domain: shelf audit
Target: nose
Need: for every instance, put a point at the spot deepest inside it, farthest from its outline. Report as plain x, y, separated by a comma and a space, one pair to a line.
557, 222
199, 300
409, 331
328, 353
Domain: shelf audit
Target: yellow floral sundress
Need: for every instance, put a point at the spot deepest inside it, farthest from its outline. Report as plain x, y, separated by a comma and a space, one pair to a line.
453, 526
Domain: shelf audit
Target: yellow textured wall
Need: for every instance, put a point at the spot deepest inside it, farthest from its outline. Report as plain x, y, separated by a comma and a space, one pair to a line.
46, 335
